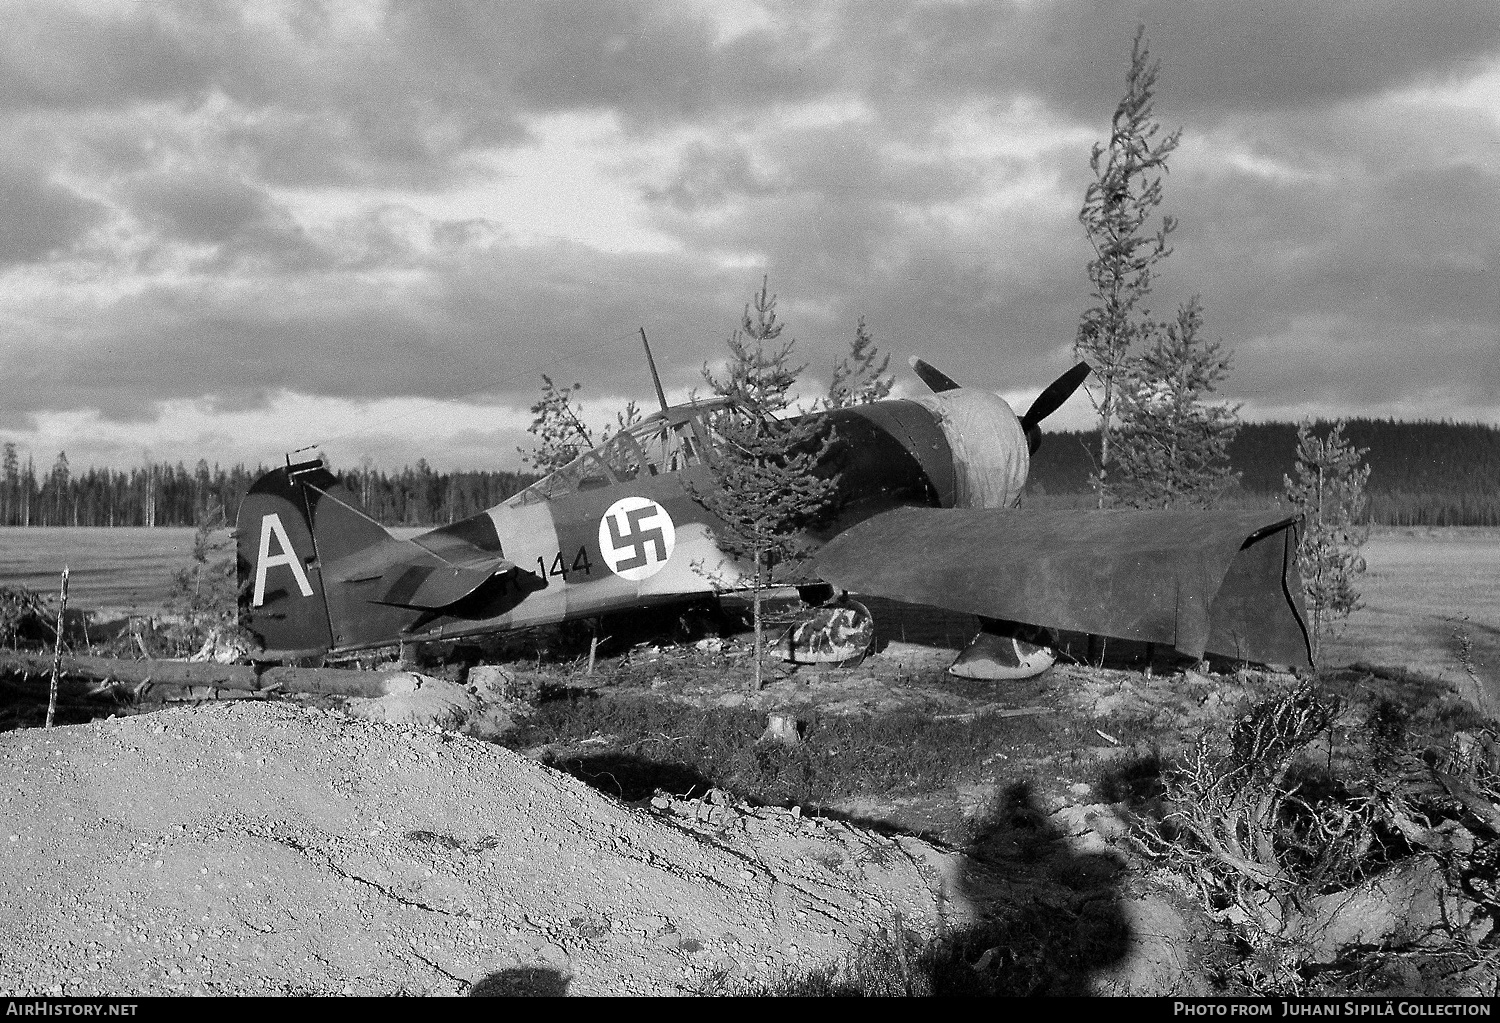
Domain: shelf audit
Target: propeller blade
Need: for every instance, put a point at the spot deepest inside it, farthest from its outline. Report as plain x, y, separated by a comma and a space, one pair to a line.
1057, 392
935, 379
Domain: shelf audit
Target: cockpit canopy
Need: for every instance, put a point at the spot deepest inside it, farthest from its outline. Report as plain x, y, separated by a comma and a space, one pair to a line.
663, 442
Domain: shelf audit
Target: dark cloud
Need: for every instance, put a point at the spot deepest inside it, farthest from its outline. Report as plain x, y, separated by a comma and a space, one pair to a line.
484, 324
1343, 247
845, 230
199, 207
314, 95
1251, 56
1221, 58
653, 62
238, 221
311, 97
55, 57
39, 219
1399, 250
1371, 287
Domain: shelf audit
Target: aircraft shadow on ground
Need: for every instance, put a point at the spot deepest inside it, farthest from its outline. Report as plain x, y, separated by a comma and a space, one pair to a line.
939, 629
522, 982
919, 625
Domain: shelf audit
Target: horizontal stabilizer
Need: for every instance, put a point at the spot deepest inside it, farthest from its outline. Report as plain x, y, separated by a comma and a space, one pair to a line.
1221, 582
421, 579
410, 574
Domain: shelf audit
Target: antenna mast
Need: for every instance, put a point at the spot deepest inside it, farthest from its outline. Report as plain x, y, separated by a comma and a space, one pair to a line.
652, 364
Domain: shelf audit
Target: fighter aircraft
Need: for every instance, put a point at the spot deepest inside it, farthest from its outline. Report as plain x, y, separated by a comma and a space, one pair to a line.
926, 512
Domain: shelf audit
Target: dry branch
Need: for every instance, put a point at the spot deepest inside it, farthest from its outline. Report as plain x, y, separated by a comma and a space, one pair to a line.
62, 610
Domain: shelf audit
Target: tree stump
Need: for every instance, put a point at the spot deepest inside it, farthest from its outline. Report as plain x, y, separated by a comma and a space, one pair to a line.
783, 728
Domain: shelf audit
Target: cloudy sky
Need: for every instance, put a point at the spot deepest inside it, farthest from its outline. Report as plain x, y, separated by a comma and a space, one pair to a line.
232, 229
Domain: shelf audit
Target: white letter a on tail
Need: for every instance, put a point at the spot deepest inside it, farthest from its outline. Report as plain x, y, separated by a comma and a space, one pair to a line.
266, 560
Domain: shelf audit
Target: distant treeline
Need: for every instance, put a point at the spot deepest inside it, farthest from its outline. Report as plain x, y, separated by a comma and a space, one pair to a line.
1421, 474
174, 495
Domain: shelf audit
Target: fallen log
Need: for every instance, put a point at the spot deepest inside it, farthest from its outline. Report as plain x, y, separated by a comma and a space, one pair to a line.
327, 681
195, 673
201, 674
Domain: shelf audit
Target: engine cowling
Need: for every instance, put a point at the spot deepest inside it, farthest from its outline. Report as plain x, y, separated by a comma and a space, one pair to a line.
990, 455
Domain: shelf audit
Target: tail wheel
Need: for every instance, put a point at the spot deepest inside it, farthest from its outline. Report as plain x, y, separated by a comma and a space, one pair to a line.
837, 633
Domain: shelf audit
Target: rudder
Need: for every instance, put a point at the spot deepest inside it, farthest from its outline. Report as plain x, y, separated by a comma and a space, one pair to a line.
282, 601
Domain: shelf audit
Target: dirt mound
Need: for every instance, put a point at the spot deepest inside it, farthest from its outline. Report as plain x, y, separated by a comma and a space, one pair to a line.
259, 848
414, 699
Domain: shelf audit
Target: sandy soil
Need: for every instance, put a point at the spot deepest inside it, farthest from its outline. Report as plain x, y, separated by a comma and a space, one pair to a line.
268, 848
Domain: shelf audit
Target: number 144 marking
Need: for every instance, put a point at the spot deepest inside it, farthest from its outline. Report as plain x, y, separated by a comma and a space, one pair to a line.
581, 563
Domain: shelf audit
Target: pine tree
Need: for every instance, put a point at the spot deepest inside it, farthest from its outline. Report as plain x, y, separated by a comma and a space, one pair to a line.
203, 593
762, 482
859, 379
10, 469
760, 374
57, 483
1117, 207
1329, 493
1172, 447
28, 490
558, 429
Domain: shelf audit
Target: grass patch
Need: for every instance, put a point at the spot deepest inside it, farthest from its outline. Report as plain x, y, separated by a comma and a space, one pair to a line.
642, 744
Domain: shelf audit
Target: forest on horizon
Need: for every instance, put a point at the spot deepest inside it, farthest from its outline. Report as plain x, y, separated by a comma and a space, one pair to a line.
1421, 474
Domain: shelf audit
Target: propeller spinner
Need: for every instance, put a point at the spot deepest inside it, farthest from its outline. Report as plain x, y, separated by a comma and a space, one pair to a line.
1048, 402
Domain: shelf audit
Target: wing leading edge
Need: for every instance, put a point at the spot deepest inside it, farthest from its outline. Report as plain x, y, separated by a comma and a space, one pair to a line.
1219, 582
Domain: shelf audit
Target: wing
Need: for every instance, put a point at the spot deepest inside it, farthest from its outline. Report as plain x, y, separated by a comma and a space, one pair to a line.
429, 572
1226, 583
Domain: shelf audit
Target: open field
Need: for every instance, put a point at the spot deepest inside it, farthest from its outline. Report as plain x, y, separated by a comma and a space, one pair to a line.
1432, 604
1427, 593
126, 568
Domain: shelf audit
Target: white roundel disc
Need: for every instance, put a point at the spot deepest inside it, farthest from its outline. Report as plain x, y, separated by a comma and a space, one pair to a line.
636, 537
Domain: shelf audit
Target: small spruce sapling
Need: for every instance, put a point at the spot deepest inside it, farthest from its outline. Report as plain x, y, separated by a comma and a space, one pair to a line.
762, 482
1172, 446
1329, 493
861, 376
203, 593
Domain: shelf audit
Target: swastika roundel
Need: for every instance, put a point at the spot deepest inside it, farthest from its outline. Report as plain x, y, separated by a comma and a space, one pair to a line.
636, 537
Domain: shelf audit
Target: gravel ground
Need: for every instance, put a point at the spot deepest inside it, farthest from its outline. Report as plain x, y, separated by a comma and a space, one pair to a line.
253, 848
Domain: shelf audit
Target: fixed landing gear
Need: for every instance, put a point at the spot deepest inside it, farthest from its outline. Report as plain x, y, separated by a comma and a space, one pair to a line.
1006, 652
836, 631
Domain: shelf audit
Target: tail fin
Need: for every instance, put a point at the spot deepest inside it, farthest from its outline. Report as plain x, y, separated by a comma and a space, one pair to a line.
282, 599
317, 574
